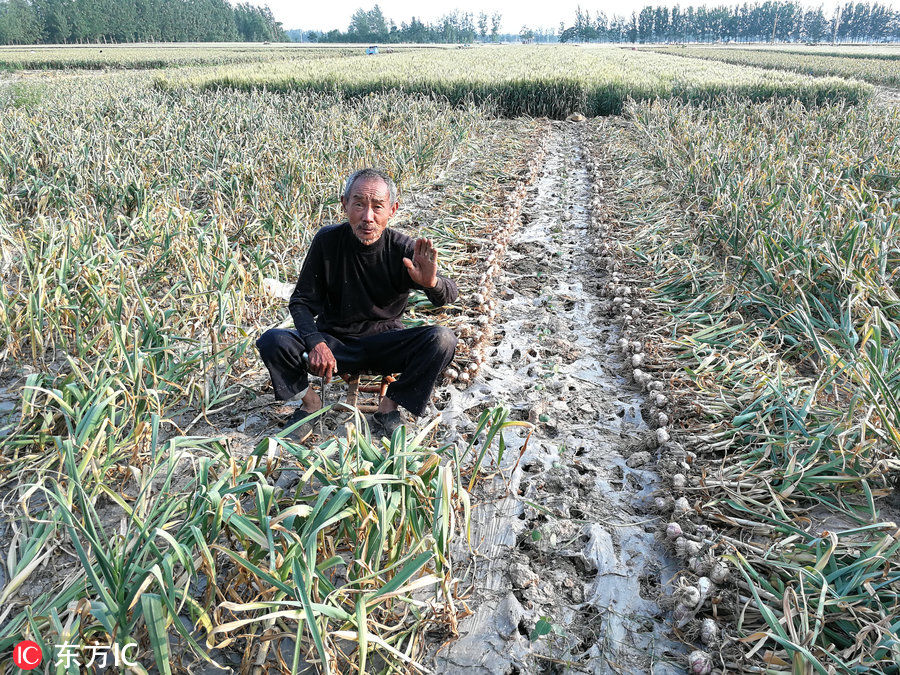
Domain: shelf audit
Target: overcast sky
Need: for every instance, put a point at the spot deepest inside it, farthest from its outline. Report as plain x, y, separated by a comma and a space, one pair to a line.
336, 13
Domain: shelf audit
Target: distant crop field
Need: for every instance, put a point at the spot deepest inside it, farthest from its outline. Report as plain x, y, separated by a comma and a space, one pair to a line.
116, 56
882, 69
522, 80
888, 52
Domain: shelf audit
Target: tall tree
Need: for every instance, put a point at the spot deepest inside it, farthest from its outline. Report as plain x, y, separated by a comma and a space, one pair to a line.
134, 21
496, 19
771, 20
53, 16
19, 23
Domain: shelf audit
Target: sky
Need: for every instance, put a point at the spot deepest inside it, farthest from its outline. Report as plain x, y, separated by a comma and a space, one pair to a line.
337, 13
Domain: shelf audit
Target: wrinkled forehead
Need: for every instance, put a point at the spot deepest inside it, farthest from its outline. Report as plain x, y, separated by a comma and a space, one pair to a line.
370, 188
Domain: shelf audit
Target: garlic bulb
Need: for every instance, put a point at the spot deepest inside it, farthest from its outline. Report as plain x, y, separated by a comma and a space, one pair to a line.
686, 547
699, 663
705, 586
709, 631
718, 573
663, 504
689, 596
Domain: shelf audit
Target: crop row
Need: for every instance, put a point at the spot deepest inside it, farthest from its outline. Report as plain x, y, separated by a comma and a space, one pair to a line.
536, 81
765, 237
888, 51
885, 71
113, 56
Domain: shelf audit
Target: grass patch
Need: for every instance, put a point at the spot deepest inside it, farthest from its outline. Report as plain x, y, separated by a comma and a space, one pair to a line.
24, 95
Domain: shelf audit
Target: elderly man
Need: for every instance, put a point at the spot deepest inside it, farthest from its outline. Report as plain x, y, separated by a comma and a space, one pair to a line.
352, 291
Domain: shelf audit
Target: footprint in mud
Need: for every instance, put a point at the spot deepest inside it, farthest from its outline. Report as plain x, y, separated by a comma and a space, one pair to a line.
631, 414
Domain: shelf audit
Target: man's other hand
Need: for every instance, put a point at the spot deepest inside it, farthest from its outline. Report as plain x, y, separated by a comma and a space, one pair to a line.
322, 361
423, 266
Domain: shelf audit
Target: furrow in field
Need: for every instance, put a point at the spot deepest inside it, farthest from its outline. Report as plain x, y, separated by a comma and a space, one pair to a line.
562, 539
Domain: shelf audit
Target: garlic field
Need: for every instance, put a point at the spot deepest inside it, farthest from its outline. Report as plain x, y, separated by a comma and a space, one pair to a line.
878, 67
520, 80
668, 440
112, 56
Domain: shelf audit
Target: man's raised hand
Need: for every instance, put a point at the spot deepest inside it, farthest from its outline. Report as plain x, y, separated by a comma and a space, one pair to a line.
322, 361
423, 266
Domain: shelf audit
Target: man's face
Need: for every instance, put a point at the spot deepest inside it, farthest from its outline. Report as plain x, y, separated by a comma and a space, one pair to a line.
369, 208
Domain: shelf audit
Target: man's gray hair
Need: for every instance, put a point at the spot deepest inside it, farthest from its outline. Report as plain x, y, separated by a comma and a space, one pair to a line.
368, 174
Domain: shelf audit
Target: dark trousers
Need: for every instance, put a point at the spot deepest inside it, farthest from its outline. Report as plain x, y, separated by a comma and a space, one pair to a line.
419, 354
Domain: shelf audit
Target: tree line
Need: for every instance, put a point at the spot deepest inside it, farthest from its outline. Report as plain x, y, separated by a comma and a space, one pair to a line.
78, 21
772, 21
372, 26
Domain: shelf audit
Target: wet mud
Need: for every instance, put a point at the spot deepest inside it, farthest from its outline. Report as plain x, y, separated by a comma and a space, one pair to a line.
565, 571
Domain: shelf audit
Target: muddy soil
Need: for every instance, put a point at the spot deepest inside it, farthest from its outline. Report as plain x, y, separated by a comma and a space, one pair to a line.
565, 531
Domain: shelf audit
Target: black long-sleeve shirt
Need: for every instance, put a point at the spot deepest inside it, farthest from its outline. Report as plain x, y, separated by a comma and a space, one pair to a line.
347, 288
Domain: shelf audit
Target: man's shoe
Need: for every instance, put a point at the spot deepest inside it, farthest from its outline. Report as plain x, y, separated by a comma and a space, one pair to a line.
386, 423
302, 432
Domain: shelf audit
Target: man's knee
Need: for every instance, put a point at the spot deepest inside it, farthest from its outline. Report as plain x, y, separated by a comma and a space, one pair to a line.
443, 340
272, 341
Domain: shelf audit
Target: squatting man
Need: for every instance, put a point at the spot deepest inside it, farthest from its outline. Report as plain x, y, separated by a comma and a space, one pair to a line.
347, 304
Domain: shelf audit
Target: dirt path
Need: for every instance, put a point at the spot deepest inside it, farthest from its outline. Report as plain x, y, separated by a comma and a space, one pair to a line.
567, 531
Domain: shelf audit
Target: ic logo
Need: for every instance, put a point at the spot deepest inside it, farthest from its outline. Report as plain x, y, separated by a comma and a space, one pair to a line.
27, 655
